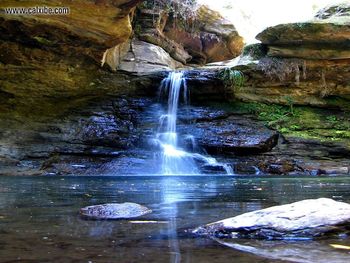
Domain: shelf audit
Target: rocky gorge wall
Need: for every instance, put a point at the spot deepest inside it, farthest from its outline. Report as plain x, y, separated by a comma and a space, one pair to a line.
51, 62
306, 61
56, 99
62, 113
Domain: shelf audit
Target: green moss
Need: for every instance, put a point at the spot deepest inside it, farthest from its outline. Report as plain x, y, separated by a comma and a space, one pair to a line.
256, 51
303, 122
311, 28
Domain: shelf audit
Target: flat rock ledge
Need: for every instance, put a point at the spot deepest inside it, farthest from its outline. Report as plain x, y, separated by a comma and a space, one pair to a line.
114, 211
313, 218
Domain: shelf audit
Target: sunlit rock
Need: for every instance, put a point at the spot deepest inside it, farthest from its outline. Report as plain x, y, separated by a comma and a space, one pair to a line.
311, 218
149, 29
145, 58
325, 37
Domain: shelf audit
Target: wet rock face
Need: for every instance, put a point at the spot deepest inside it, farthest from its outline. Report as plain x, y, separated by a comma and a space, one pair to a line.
115, 137
114, 211
69, 144
312, 218
220, 135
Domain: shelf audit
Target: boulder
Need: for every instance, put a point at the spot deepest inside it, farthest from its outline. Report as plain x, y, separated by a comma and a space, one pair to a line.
220, 38
208, 37
325, 37
145, 58
114, 211
104, 23
213, 39
311, 218
149, 28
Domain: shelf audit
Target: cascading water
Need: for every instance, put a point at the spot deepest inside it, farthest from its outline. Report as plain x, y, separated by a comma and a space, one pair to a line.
176, 160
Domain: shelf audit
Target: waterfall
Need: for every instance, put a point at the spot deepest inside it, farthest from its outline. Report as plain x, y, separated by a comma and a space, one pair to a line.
174, 159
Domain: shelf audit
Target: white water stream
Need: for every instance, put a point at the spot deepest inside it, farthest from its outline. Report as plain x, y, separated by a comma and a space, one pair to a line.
174, 159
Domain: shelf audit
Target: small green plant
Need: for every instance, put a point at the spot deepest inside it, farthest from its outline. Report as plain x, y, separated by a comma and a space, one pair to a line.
255, 51
295, 127
137, 29
232, 78
332, 118
43, 41
290, 103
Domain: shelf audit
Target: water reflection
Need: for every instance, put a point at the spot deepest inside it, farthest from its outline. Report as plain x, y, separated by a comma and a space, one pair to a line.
39, 219
298, 251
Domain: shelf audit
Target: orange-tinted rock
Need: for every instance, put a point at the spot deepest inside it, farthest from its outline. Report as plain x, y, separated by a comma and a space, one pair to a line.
221, 40
207, 38
50, 61
104, 23
150, 25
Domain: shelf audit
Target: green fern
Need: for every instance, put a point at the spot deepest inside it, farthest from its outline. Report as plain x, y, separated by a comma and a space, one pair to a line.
232, 78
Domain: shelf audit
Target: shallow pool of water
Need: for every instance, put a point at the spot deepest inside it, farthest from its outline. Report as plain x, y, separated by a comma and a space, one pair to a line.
39, 220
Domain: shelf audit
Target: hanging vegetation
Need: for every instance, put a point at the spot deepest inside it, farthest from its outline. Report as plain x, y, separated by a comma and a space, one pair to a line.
182, 12
232, 78
185, 9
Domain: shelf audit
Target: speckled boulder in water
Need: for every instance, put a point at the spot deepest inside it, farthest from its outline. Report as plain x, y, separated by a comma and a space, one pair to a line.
304, 219
114, 211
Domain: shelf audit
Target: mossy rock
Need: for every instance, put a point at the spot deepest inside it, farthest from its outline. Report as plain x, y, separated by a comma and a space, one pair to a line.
255, 51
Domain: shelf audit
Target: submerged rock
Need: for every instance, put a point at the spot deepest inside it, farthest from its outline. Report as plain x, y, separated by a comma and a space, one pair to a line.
304, 219
114, 211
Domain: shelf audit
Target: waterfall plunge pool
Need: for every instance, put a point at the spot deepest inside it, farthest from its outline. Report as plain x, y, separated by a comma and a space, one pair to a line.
39, 220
